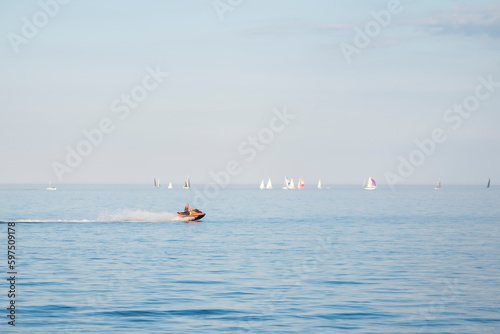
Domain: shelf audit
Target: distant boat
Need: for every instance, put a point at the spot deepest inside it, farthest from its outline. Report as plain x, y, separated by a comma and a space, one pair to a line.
488, 186
301, 184
170, 185
50, 186
262, 185
187, 184
438, 185
285, 186
372, 185
269, 184
319, 184
288, 184
156, 183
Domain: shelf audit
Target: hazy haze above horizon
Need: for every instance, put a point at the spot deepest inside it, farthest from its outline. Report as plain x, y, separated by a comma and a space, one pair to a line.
229, 78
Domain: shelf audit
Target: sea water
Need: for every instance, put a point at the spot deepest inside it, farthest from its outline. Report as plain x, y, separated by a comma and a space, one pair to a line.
114, 259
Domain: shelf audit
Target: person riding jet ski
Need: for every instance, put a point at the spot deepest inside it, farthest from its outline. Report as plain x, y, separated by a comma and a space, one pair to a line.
191, 214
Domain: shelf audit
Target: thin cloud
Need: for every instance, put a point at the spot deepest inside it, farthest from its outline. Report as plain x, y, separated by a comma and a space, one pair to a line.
292, 29
464, 20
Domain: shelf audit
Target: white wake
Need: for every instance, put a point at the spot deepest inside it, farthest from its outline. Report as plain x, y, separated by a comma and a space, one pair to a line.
126, 215
139, 216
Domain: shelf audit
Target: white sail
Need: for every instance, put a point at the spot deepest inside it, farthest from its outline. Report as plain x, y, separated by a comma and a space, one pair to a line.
170, 185
371, 185
285, 186
319, 184
187, 183
50, 186
154, 182
301, 184
269, 184
438, 185
262, 185
291, 185
158, 185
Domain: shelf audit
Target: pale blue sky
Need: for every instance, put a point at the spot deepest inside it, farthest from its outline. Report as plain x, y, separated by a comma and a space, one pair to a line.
353, 120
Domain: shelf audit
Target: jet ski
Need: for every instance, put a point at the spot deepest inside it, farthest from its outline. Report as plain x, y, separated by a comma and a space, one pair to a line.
191, 215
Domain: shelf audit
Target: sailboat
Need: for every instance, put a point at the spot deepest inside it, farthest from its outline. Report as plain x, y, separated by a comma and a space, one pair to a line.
262, 184
488, 185
170, 185
291, 185
50, 186
285, 186
438, 185
301, 184
319, 184
372, 185
269, 184
156, 183
187, 184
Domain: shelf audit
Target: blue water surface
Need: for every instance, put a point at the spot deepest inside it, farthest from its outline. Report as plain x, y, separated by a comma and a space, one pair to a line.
113, 259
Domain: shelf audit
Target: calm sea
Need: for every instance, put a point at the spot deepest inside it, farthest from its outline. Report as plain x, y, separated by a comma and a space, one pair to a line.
112, 259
